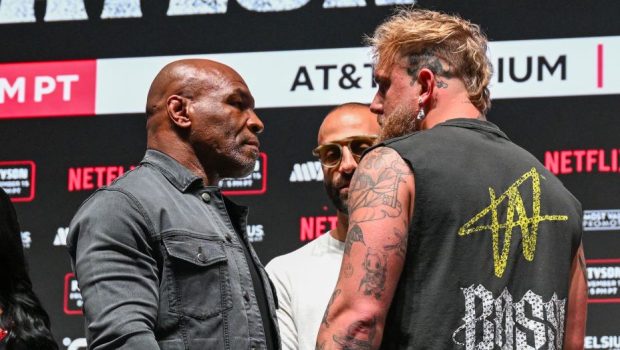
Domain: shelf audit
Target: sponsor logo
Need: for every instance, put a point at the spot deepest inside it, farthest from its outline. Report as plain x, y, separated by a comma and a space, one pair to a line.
505, 323
583, 161
255, 183
17, 179
61, 236
92, 177
26, 239
607, 342
312, 227
522, 69
601, 220
345, 76
20, 11
529, 68
75, 344
73, 303
45, 89
603, 280
562, 67
306, 172
256, 233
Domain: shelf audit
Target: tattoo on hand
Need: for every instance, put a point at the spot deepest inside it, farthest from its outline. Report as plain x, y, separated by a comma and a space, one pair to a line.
401, 244
375, 264
335, 294
374, 199
355, 235
360, 336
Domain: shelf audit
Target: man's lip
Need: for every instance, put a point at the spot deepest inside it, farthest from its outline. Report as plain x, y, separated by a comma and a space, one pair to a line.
254, 143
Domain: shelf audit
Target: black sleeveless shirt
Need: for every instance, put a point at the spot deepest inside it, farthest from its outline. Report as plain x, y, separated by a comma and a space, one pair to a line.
490, 244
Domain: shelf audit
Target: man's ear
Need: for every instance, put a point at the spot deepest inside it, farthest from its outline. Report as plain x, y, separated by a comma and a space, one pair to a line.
177, 107
426, 79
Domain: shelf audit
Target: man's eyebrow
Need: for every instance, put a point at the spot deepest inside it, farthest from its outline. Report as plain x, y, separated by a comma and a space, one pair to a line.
380, 78
244, 94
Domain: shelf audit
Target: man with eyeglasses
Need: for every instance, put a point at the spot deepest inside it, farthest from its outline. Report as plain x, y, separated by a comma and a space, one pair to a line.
305, 278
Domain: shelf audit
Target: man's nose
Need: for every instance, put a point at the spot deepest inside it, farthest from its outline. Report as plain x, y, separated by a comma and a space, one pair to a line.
254, 123
348, 164
376, 107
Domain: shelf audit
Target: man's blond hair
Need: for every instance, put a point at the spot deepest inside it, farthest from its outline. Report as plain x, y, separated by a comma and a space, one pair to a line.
422, 36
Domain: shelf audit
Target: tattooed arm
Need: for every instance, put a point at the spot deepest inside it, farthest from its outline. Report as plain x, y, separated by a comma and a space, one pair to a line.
577, 303
380, 207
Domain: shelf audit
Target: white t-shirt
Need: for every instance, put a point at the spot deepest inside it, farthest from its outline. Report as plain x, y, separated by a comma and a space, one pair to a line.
304, 281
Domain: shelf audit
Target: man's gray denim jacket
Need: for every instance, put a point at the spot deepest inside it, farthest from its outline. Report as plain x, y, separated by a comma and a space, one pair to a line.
160, 266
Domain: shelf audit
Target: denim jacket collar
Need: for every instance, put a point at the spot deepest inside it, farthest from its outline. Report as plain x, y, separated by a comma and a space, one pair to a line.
178, 175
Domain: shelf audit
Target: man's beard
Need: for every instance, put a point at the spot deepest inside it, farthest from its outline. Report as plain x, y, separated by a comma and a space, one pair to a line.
398, 123
334, 195
233, 163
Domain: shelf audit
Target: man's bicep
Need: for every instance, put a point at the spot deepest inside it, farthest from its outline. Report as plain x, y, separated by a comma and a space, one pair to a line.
380, 210
116, 271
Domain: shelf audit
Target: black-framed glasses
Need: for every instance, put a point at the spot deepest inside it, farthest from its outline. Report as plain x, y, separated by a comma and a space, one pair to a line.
330, 154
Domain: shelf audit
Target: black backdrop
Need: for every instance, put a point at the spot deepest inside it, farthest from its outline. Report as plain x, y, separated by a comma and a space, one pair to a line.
293, 205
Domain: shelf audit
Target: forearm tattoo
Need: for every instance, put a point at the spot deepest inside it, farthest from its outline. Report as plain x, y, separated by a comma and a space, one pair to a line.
373, 196
359, 336
335, 294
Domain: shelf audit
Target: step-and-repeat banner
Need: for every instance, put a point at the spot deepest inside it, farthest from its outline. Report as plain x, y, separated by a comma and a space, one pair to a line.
74, 76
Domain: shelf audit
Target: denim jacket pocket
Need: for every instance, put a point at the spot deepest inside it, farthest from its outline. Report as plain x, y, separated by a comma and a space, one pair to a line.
200, 282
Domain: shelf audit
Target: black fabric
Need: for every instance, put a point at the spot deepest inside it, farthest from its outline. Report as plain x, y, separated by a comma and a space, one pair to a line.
450, 292
239, 215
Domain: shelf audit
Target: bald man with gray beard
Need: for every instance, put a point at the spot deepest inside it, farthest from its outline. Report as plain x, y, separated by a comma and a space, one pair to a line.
162, 257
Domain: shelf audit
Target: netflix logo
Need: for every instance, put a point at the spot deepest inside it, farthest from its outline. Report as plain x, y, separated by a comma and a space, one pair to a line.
583, 161
312, 227
47, 89
92, 177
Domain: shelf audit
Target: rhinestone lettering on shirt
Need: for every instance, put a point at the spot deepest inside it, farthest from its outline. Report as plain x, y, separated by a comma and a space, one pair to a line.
500, 323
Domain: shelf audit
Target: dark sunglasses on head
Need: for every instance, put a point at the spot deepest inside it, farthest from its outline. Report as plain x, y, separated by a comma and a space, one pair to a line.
330, 154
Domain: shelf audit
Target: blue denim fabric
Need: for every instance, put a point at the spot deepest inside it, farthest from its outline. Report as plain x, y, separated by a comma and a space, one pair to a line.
160, 265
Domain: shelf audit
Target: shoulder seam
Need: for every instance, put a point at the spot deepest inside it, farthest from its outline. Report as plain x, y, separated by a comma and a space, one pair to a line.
134, 201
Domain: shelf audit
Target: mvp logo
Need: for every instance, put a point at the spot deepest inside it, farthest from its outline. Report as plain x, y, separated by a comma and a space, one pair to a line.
307, 172
516, 207
61, 236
